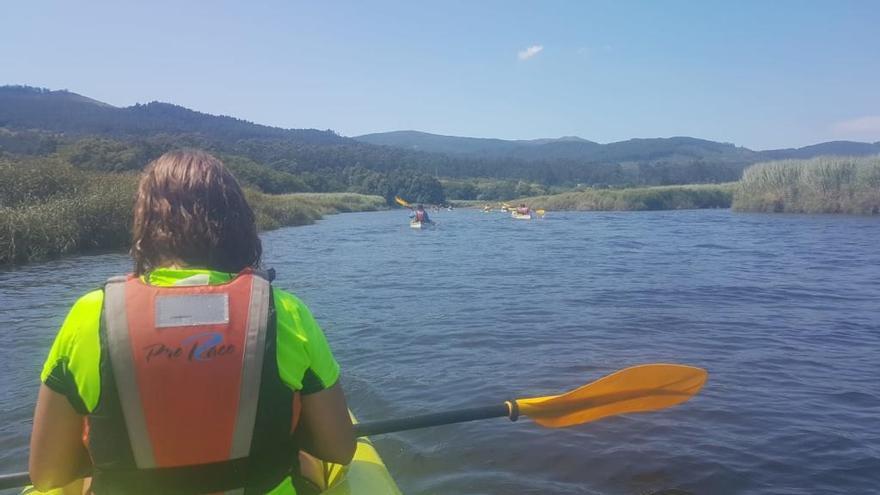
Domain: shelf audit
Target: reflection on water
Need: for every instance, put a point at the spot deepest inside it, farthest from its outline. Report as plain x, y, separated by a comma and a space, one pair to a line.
782, 310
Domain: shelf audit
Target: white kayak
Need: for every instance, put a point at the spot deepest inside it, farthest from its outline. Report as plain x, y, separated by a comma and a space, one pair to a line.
521, 216
421, 225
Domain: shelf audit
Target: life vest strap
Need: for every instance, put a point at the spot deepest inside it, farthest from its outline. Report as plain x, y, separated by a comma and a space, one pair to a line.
119, 342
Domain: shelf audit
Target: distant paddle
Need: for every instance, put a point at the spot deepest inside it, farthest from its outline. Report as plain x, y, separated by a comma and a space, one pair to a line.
401, 202
648, 387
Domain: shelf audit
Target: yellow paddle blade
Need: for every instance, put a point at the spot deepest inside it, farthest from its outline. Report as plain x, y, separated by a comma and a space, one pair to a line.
640, 388
401, 202
540, 212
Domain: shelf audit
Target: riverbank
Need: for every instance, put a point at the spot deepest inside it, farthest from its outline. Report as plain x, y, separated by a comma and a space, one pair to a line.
637, 198
49, 213
820, 185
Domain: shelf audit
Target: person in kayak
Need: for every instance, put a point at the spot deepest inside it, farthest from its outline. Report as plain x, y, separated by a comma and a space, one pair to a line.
523, 209
420, 215
193, 374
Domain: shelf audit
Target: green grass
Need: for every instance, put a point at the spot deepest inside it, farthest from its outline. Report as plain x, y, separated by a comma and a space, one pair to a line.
819, 185
283, 210
52, 209
636, 199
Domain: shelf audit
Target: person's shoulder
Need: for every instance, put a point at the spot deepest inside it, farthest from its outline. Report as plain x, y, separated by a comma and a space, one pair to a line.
287, 301
292, 312
88, 305
92, 298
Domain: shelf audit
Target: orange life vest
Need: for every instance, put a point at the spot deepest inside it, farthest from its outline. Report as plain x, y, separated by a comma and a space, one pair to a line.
191, 399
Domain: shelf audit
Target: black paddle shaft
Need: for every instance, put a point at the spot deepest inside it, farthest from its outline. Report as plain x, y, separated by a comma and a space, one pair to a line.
434, 419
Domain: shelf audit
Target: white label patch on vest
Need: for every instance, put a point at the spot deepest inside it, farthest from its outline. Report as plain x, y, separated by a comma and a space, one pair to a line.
192, 310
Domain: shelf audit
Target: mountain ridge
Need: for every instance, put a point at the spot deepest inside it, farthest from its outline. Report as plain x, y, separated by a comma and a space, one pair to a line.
42, 120
462, 145
68, 112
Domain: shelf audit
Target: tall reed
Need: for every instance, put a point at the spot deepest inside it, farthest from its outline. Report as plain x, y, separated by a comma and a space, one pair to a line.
818, 185
51, 209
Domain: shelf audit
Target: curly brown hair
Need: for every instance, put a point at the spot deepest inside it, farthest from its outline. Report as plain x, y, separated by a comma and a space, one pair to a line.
191, 211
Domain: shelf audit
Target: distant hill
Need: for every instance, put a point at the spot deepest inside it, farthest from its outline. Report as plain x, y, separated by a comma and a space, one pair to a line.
569, 147
576, 148
831, 148
24, 107
39, 119
566, 147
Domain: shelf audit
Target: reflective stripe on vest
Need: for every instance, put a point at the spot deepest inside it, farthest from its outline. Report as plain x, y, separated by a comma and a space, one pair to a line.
187, 362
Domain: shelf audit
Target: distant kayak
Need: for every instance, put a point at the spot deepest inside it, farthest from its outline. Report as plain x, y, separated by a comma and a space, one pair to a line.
521, 216
421, 225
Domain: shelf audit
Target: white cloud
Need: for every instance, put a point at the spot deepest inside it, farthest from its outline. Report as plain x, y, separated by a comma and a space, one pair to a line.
529, 52
867, 127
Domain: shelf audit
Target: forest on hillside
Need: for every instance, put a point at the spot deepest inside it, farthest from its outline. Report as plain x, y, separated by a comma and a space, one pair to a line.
94, 135
38, 124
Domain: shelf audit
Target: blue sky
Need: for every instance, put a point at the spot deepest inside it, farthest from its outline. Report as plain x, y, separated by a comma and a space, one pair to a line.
762, 74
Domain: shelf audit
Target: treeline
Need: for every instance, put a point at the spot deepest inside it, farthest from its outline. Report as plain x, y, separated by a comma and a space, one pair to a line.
103, 154
492, 189
848, 185
820, 185
273, 167
638, 199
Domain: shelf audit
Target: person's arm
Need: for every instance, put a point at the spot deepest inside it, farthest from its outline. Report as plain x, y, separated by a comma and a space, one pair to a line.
58, 455
325, 428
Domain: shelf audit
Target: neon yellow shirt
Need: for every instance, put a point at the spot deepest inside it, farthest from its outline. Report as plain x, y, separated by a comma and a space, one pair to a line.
305, 362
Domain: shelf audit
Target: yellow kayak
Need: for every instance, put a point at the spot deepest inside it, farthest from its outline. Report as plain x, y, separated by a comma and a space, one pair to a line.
365, 475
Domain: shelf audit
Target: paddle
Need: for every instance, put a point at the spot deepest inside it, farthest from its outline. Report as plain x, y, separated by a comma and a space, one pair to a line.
648, 387
401, 202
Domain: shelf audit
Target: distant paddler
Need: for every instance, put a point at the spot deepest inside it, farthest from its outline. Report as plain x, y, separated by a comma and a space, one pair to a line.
420, 218
522, 212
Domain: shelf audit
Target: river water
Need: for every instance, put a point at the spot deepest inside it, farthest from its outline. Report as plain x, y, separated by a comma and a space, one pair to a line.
782, 310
